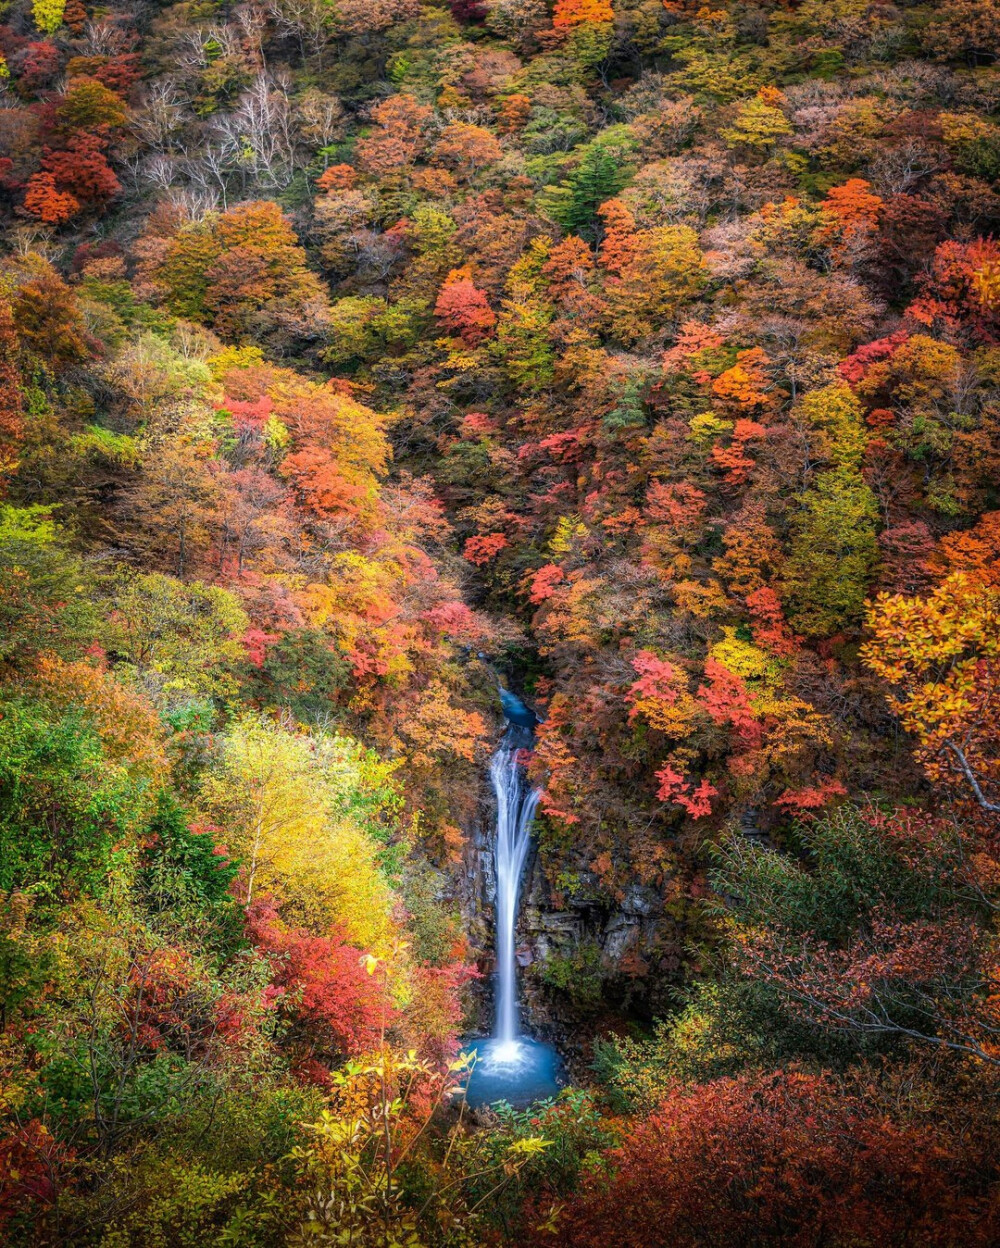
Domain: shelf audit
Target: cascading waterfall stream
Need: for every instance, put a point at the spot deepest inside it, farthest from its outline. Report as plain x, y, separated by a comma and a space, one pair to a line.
515, 811
510, 1066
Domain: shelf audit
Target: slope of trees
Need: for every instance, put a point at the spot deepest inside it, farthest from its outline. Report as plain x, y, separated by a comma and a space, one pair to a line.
646, 352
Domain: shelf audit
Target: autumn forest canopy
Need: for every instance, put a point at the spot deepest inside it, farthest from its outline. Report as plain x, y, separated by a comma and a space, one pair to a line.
641, 357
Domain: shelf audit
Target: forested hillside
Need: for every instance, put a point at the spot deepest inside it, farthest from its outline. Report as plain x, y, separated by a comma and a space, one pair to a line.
640, 355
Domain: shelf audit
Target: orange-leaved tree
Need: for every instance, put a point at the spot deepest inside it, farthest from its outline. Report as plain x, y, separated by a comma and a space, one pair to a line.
11, 407
570, 13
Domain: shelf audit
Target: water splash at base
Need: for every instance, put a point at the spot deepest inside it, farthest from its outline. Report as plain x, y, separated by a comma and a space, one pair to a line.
519, 1072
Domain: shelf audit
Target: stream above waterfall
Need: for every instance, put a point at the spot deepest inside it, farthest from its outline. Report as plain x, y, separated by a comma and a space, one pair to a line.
509, 1066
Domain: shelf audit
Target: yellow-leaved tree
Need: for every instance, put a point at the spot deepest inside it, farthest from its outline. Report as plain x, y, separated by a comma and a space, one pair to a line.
294, 808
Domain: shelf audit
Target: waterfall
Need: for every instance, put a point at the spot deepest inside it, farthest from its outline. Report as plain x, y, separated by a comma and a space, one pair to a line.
515, 810
508, 1066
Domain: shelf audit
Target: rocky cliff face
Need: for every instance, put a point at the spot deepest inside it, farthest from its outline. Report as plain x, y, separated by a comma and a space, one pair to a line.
565, 951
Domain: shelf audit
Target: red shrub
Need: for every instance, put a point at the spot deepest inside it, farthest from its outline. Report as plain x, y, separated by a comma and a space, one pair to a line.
787, 1160
328, 989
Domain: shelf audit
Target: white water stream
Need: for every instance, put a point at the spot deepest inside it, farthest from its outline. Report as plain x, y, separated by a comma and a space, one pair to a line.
516, 804
510, 1066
